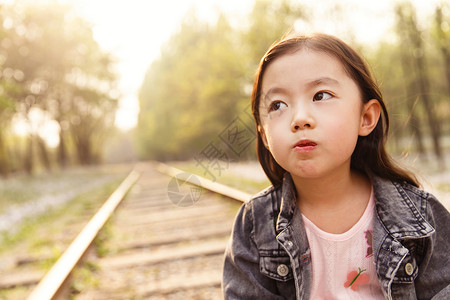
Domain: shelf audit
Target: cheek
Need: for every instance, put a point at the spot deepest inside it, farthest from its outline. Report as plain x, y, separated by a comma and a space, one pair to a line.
276, 120
343, 135
273, 127
273, 138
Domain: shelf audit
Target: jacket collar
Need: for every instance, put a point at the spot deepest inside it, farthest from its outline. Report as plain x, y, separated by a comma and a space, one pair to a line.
397, 212
395, 209
288, 202
291, 231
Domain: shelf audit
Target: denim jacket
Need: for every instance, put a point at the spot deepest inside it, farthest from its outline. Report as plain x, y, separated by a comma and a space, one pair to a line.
268, 256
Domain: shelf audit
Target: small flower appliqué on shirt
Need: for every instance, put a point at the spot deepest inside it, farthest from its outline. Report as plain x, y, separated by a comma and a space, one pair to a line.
355, 279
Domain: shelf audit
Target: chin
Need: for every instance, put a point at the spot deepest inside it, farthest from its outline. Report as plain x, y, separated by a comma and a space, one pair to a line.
304, 172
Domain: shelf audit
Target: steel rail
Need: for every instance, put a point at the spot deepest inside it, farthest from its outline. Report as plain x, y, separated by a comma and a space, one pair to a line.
52, 283
203, 182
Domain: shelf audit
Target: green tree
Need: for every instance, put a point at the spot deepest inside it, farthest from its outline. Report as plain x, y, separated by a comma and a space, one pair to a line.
57, 67
6, 107
441, 34
415, 60
200, 82
6, 113
192, 91
269, 22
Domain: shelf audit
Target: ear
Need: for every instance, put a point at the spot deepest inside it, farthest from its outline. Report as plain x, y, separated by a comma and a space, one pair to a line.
263, 136
369, 117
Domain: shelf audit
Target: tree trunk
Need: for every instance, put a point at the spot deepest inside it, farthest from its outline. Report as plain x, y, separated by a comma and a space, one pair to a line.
408, 25
415, 124
28, 160
442, 40
84, 150
62, 151
43, 153
424, 88
413, 120
4, 165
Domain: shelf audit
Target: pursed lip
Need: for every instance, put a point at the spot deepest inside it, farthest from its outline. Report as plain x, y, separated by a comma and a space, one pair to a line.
305, 145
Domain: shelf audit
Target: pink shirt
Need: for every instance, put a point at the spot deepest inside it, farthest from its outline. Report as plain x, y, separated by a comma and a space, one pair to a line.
342, 264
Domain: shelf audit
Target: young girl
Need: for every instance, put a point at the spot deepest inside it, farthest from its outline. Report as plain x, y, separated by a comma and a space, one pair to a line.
341, 220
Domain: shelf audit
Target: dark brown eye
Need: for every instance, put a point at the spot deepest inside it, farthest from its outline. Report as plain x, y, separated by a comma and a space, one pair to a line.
276, 105
320, 96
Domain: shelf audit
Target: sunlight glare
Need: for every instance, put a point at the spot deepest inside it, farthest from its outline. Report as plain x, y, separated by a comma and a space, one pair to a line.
39, 122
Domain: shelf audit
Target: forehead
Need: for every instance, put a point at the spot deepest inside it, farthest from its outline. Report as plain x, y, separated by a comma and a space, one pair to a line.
301, 67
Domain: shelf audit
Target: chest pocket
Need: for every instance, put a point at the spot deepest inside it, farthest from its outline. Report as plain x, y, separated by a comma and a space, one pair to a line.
275, 264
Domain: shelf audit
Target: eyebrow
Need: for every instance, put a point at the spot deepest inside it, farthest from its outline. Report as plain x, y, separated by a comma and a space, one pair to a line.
311, 84
323, 80
276, 90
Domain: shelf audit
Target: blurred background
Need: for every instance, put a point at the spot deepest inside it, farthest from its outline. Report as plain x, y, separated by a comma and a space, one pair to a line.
84, 83
88, 82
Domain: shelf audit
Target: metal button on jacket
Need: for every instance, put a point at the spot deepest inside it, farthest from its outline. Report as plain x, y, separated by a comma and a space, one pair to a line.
409, 268
282, 270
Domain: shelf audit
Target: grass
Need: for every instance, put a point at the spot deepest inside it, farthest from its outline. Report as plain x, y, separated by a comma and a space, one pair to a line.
21, 188
38, 232
46, 236
100, 241
84, 278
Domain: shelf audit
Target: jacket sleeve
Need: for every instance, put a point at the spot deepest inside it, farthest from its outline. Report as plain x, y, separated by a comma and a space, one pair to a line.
242, 278
434, 279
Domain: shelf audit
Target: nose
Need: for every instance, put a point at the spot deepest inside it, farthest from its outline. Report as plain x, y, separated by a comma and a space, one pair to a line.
302, 119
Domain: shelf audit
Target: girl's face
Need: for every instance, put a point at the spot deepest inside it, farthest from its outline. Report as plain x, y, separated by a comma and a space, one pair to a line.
312, 113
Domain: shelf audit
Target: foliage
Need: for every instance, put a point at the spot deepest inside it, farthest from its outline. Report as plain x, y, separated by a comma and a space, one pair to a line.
202, 80
411, 70
51, 65
269, 22
190, 92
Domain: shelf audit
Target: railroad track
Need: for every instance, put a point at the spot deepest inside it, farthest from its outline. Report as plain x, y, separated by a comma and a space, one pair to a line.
164, 240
